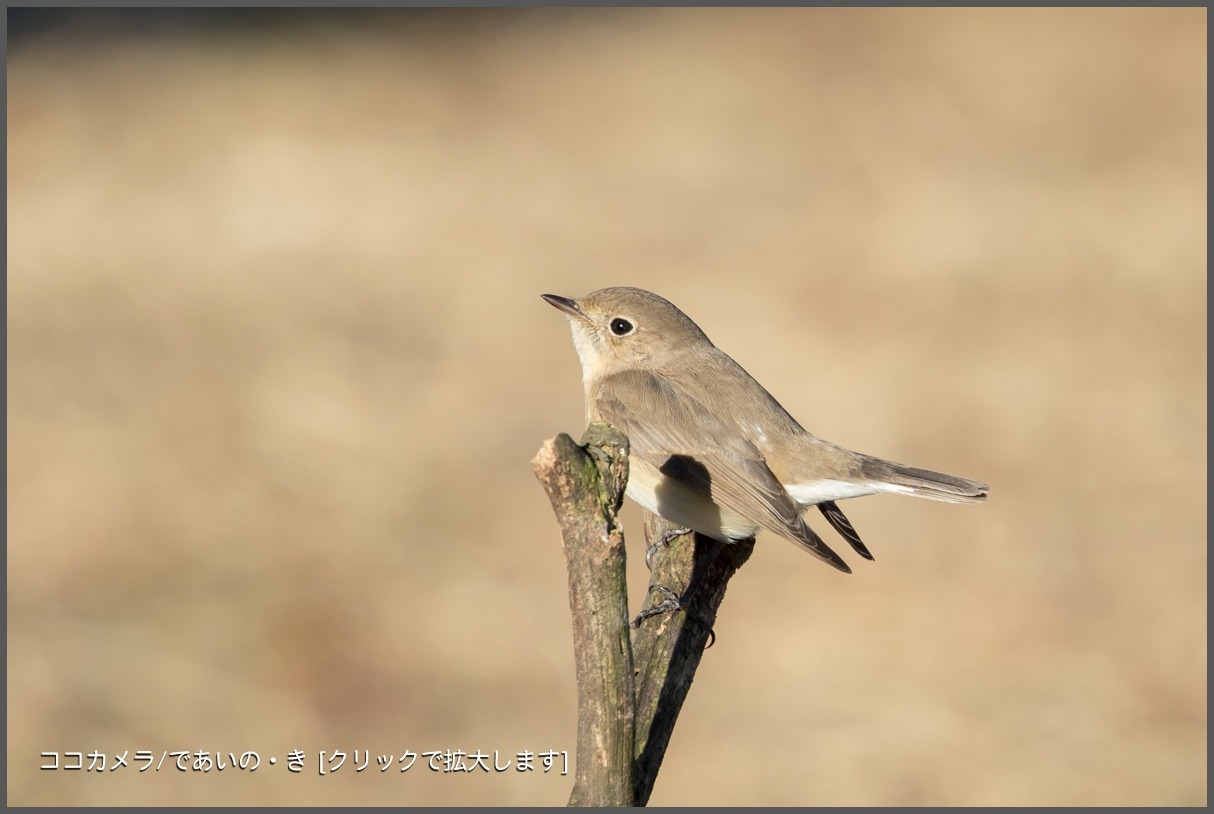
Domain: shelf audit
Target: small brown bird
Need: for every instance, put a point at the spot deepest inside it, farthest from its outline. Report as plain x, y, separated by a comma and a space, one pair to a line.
710, 448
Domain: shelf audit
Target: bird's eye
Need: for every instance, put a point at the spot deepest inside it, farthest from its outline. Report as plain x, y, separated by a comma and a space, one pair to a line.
621, 326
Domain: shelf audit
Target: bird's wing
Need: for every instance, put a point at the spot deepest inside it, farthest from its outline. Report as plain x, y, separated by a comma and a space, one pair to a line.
676, 434
836, 517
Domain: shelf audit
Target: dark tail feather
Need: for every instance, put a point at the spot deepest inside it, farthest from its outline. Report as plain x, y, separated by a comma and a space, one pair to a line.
888, 476
807, 538
834, 515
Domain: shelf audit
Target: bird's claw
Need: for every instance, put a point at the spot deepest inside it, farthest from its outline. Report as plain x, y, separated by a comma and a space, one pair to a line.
664, 539
670, 604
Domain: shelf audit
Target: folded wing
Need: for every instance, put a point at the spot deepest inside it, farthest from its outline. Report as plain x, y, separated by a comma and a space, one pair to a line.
677, 435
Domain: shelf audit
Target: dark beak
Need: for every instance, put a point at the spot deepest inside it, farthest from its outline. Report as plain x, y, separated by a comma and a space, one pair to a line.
565, 304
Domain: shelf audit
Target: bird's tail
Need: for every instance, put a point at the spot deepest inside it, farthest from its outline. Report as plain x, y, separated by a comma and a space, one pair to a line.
887, 476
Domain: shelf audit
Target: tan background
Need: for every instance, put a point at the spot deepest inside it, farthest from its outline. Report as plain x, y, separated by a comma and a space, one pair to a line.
278, 363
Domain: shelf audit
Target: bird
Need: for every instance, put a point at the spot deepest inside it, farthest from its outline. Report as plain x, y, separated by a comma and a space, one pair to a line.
709, 448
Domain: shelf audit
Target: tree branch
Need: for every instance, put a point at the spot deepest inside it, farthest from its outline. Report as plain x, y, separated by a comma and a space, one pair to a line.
626, 714
667, 648
586, 485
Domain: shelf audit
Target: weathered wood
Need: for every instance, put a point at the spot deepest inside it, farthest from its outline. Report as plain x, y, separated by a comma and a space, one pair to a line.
667, 648
631, 684
586, 485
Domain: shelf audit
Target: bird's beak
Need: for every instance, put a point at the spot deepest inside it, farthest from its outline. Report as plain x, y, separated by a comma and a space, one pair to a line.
567, 305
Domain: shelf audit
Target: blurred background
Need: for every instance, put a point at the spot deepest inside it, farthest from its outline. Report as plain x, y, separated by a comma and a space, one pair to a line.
277, 365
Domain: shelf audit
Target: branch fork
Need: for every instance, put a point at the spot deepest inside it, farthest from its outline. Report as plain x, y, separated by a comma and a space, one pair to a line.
631, 682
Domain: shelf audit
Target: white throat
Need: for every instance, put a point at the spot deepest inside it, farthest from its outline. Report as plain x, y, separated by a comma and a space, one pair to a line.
587, 353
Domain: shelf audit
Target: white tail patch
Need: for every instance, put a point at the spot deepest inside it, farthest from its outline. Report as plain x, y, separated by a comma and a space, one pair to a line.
896, 489
820, 491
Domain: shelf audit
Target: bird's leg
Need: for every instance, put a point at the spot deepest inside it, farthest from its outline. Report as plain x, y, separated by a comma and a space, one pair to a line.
674, 602
664, 539
669, 604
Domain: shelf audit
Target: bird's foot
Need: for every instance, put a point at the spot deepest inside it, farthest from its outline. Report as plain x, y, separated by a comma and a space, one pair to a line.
670, 604
664, 539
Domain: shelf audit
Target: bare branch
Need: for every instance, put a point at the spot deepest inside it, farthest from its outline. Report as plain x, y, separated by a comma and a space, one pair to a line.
667, 648
586, 485
626, 716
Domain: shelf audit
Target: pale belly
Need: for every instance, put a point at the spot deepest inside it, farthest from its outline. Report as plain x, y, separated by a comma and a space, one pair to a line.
685, 506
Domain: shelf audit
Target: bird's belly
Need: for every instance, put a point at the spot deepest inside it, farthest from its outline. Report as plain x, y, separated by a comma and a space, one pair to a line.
683, 505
